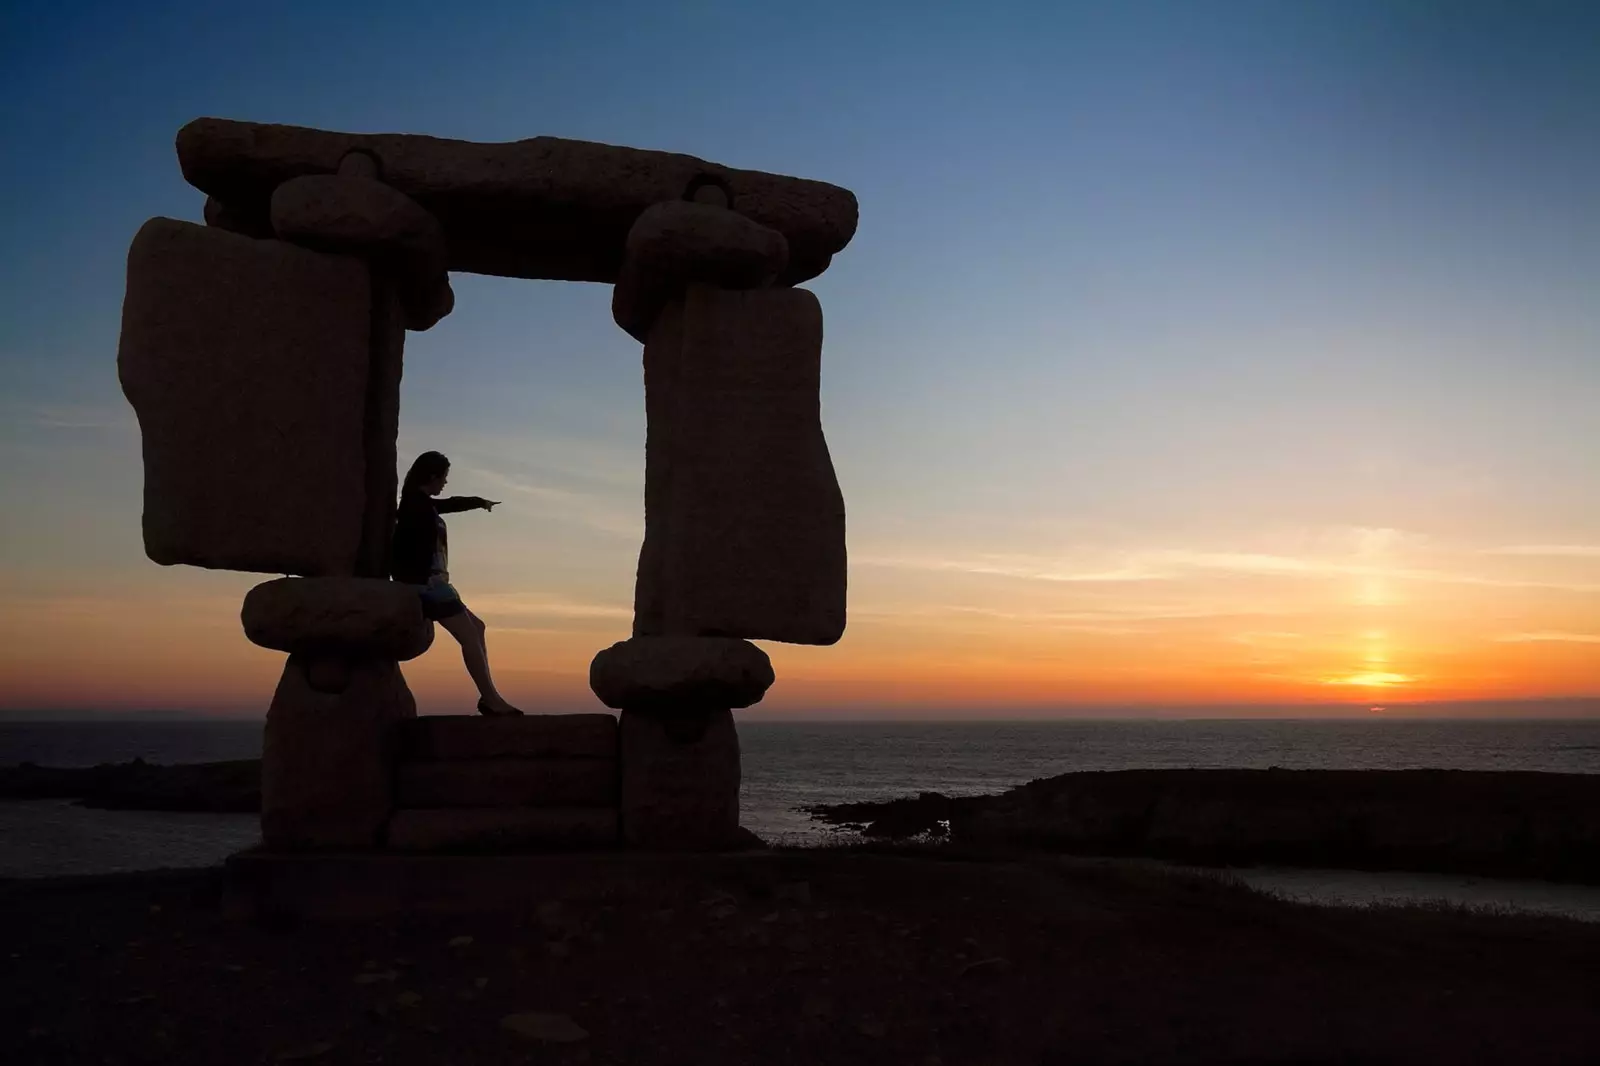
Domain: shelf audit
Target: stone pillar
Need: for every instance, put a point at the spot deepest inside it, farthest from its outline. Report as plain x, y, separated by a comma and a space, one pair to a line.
331, 745
327, 760
678, 750
680, 779
744, 522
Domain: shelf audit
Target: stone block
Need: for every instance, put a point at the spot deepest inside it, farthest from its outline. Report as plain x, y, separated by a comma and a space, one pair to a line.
545, 207
508, 782
744, 520
361, 216
453, 737
348, 615
225, 216
680, 781
347, 213
246, 362
691, 673
503, 828
426, 303
327, 756
675, 244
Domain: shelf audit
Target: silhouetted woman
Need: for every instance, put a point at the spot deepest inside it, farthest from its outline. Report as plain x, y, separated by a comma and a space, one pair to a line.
420, 555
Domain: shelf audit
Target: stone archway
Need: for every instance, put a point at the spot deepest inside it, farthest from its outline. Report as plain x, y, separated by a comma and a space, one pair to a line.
263, 354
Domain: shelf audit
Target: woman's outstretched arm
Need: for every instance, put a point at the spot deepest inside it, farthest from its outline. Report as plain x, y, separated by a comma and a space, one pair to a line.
452, 504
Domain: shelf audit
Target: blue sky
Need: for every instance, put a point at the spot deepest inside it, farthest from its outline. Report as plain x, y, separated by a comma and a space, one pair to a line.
1178, 281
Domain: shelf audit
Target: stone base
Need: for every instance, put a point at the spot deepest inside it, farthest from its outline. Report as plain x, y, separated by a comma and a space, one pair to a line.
680, 780
450, 737
503, 829
328, 753
507, 783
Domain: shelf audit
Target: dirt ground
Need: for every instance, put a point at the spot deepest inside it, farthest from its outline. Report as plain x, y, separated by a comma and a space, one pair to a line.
865, 957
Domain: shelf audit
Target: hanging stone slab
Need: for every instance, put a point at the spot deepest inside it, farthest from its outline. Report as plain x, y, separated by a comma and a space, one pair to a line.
744, 520
246, 362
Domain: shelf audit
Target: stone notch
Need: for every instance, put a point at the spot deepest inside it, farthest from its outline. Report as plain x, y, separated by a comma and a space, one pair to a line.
680, 673
545, 207
247, 363
676, 244
339, 615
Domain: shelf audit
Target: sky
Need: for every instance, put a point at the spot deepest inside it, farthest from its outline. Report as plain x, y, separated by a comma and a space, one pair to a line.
1220, 356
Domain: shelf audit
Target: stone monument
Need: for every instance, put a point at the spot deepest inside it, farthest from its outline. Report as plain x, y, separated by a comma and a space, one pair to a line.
262, 353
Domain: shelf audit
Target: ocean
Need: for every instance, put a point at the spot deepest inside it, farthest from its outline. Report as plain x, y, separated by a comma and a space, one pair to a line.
788, 765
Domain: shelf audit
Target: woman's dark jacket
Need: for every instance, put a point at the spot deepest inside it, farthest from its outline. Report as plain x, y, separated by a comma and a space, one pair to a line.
418, 532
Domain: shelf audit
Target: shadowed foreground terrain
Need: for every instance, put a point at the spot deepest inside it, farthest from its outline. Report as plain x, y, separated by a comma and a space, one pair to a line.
841, 955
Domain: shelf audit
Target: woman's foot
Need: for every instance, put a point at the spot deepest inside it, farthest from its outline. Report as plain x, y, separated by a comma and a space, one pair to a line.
497, 709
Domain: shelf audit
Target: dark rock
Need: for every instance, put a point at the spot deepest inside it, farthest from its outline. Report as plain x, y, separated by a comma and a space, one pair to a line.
1491, 823
138, 785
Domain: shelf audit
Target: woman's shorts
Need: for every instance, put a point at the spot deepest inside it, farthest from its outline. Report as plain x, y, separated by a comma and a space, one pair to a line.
440, 600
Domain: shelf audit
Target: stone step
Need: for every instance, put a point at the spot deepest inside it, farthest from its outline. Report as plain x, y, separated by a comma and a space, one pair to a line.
507, 783
502, 828
449, 737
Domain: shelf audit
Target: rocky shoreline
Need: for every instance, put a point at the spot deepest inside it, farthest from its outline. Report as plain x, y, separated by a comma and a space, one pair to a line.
221, 787
1498, 824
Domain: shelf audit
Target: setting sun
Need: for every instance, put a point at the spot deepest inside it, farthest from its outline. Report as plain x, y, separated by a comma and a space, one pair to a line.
1374, 679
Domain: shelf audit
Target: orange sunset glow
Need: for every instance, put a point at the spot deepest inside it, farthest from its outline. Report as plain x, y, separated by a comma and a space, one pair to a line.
1016, 635
1178, 365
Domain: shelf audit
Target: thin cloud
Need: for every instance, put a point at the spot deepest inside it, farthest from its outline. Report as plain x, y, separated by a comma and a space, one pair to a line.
1549, 637
1181, 564
1570, 551
511, 604
586, 508
1032, 571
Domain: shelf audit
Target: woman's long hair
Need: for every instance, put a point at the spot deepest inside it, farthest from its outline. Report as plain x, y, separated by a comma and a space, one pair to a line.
428, 467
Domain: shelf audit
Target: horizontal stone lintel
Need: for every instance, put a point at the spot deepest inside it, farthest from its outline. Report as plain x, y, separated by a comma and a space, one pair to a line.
545, 207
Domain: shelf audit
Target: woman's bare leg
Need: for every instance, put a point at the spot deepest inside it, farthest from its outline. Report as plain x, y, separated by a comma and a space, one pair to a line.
468, 629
